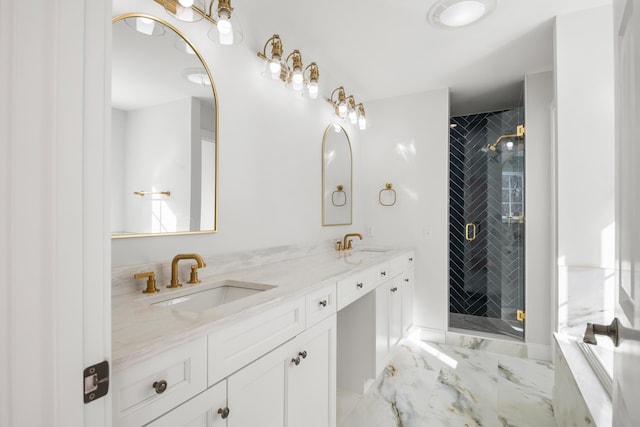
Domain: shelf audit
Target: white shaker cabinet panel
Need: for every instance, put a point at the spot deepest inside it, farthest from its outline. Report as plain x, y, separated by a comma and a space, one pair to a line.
238, 345
158, 384
312, 381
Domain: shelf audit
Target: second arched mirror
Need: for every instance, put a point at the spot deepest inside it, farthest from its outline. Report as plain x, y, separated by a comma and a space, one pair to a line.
337, 183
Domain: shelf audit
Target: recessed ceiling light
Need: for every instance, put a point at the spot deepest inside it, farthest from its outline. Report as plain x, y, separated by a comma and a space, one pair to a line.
458, 13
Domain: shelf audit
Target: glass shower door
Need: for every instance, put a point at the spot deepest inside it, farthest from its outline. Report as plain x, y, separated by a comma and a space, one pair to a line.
486, 227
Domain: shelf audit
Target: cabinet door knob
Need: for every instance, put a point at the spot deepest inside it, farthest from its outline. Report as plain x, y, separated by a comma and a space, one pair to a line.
323, 303
160, 386
303, 354
383, 273
395, 288
296, 361
224, 412
359, 285
406, 280
410, 259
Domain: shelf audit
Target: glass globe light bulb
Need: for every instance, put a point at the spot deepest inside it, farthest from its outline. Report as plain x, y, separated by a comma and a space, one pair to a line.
353, 116
274, 67
297, 77
362, 122
342, 109
313, 90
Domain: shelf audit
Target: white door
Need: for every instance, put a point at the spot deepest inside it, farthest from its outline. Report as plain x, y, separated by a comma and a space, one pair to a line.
626, 411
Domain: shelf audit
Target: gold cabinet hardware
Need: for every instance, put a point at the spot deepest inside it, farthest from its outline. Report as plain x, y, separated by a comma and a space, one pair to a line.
520, 315
470, 231
151, 282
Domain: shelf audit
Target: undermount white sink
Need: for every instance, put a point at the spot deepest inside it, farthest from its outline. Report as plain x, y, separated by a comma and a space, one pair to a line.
373, 249
221, 293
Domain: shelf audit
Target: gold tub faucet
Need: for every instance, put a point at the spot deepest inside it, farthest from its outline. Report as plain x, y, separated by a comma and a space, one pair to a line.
174, 269
348, 244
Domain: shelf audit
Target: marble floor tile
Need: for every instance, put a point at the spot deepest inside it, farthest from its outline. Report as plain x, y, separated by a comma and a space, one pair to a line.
428, 384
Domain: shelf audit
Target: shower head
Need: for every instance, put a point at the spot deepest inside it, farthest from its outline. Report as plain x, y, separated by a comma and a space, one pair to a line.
493, 146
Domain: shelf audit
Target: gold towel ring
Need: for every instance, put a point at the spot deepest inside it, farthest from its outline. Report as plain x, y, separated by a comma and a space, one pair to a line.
337, 192
389, 188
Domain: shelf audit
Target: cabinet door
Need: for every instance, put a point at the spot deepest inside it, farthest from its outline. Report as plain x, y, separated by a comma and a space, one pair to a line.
256, 393
408, 289
204, 410
395, 313
312, 377
382, 325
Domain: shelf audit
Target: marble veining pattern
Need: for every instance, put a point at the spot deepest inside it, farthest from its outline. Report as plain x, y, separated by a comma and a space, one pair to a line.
428, 384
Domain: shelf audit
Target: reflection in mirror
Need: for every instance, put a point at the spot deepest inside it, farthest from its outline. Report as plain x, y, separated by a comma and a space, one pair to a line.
337, 184
164, 153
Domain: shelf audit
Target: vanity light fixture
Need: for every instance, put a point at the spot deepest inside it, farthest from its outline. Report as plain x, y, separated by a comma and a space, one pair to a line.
459, 13
274, 64
226, 26
295, 71
362, 118
346, 107
312, 81
291, 71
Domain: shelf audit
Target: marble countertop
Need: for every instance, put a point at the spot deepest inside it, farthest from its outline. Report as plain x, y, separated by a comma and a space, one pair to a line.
140, 329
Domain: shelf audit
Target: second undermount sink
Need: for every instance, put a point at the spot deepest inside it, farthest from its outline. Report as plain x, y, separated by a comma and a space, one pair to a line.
220, 293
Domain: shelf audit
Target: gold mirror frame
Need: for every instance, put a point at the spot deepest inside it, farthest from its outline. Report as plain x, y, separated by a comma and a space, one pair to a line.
216, 118
329, 190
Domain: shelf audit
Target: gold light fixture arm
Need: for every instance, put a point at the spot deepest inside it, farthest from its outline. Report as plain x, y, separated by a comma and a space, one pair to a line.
276, 48
297, 59
314, 72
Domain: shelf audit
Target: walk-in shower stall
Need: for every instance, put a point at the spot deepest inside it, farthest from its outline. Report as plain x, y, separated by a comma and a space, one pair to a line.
486, 222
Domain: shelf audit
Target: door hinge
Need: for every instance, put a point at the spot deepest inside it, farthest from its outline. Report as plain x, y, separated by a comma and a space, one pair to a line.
96, 381
520, 315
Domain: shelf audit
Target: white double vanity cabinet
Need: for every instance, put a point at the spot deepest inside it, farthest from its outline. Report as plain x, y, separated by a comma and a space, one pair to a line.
274, 357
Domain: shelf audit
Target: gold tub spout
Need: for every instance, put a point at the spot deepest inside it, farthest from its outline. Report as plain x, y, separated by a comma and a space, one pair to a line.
348, 244
174, 267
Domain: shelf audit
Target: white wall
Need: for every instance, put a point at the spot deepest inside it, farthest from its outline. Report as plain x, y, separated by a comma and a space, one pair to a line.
539, 239
408, 145
585, 131
270, 170
117, 146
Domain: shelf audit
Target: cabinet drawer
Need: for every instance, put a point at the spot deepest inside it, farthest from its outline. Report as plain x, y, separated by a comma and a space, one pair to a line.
321, 304
400, 264
136, 401
353, 287
381, 274
233, 347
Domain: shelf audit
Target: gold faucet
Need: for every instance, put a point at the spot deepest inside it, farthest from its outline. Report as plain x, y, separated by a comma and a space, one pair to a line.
174, 269
349, 244
151, 282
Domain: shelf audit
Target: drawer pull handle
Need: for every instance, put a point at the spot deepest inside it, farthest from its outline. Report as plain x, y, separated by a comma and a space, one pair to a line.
359, 285
410, 259
224, 412
296, 361
394, 289
323, 303
303, 354
383, 273
406, 280
160, 386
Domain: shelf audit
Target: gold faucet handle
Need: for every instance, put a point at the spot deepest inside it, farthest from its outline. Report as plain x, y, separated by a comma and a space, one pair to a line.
339, 246
194, 274
350, 244
151, 282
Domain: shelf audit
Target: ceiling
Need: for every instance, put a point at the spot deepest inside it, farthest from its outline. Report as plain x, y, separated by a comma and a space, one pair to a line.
383, 48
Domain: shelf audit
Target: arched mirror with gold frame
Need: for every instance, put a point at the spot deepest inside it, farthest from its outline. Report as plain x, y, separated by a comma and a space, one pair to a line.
164, 151
337, 182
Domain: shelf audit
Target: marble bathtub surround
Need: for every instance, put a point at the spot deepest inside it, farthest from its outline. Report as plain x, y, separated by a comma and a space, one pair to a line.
140, 330
428, 384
